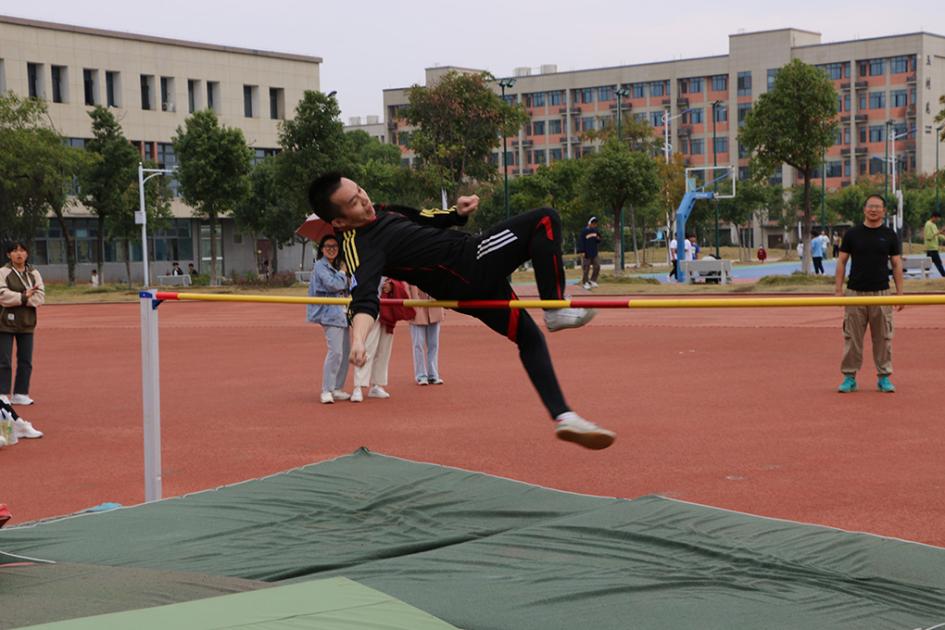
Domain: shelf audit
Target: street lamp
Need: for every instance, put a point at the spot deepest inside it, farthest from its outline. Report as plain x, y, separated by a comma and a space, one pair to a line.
666, 119
715, 164
141, 217
892, 161
505, 83
938, 141
621, 92
886, 162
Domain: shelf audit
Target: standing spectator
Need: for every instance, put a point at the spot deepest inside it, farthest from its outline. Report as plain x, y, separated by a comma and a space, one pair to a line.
176, 270
817, 252
330, 279
264, 270
695, 247
872, 247
687, 255
94, 279
425, 334
933, 237
21, 293
836, 244
191, 270
590, 261
826, 244
762, 253
380, 342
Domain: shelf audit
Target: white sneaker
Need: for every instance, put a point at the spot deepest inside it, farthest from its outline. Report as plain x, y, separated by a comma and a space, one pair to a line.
356, 395
327, 398
573, 428
20, 399
594, 285
340, 395
559, 319
23, 429
422, 381
587, 285
377, 391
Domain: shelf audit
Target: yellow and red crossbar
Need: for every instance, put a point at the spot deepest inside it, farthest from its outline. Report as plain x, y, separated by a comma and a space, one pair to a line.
734, 302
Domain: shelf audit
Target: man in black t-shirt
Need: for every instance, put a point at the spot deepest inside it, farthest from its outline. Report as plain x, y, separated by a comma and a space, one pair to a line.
871, 246
590, 261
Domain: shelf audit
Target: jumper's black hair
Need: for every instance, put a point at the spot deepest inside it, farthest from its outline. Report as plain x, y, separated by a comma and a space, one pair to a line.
319, 196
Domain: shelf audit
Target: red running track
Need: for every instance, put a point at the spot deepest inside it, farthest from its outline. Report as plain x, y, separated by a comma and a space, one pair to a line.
733, 408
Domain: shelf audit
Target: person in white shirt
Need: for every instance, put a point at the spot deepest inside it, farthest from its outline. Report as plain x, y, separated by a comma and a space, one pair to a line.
687, 254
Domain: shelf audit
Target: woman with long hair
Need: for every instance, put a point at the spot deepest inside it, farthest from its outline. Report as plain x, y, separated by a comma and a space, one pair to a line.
330, 279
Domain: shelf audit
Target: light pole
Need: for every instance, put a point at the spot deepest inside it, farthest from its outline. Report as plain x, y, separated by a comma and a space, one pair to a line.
823, 194
892, 161
141, 217
505, 83
715, 164
886, 162
621, 92
938, 141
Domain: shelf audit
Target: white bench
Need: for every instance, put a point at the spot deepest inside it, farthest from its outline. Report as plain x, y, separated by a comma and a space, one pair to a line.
916, 265
708, 270
174, 281
303, 276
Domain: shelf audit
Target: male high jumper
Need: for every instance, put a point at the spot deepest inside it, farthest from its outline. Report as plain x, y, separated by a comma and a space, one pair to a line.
414, 246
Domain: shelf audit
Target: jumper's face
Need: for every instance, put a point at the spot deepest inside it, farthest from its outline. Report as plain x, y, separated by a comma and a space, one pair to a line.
353, 204
18, 256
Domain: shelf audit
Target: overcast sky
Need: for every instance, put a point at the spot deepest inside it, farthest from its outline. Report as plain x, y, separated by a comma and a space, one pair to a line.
371, 45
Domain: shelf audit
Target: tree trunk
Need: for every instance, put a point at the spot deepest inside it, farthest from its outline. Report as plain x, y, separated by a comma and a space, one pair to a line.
644, 242
70, 249
100, 248
128, 260
807, 263
618, 242
633, 231
275, 256
213, 249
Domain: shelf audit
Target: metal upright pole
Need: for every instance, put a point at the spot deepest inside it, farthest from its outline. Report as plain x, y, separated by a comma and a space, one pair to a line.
666, 135
715, 201
886, 167
938, 141
151, 396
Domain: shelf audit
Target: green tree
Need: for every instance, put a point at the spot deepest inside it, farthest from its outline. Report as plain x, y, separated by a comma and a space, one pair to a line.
108, 174
558, 185
794, 123
459, 121
36, 172
752, 197
265, 211
213, 167
618, 177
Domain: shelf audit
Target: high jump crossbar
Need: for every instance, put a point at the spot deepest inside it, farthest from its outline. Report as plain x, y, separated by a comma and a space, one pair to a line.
150, 359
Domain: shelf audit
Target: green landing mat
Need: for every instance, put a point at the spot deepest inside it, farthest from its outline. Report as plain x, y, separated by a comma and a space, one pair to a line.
483, 553
332, 604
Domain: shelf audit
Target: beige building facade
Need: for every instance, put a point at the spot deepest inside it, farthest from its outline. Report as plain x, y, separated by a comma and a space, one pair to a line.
152, 85
888, 89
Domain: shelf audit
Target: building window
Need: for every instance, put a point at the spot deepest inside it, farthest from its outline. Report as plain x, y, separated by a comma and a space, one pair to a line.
167, 94
657, 88
214, 100
743, 109
742, 151
695, 85
696, 146
876, 166
899, 98
90, 86
656, 118
695, 116
744, 83
877, 100
587, 123
583, 95
538, 99
249, 100
147, 88
539, 156
276, 103
60, 83
720, 83
861, 135
898, 65
193, 87
846, 168
846, 102
743, 173
721, 113
639, 90
555, 97
772, 76
538, 128
555, 155
112, 88
554, 126
861, 102
877, 133
834, 169
877, 67
721, 145
605, 93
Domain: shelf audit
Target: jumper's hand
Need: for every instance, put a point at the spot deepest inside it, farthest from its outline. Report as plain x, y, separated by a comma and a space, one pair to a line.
466, 205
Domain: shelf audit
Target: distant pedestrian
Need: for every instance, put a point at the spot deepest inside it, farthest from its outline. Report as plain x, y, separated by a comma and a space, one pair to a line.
590, 261
762, 254
872, 247
933, 238
817, 252
687, 255
94, 279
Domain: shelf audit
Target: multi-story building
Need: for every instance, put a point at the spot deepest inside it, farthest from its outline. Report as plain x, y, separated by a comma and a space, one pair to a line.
152, 84
372, 126
885, 85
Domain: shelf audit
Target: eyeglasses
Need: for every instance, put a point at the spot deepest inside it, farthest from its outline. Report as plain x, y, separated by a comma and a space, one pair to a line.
330, 247
875, 206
